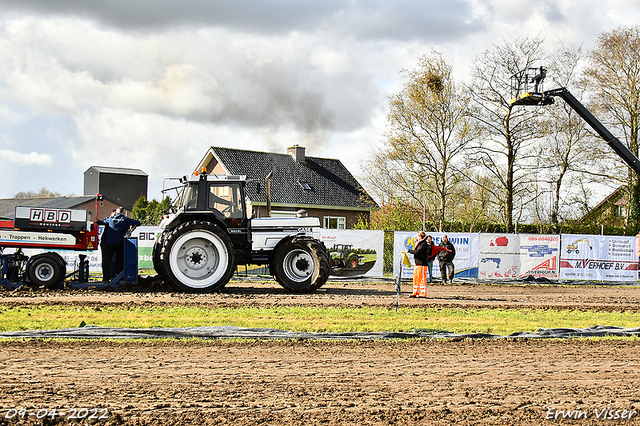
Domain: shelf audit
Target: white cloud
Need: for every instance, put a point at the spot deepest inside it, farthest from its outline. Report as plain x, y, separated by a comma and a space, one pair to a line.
30, 159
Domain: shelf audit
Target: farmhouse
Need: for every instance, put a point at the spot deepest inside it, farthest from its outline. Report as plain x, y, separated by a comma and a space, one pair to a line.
612, 210
286, 183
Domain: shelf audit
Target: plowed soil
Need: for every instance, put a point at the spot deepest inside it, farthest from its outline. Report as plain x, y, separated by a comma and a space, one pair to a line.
492, 382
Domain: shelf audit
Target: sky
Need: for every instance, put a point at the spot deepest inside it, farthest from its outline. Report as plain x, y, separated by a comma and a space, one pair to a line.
152, 84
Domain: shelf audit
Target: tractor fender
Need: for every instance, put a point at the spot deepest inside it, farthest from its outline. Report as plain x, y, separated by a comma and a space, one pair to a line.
205, 216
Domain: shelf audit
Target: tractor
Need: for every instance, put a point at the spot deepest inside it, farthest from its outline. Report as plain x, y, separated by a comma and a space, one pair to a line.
209, 232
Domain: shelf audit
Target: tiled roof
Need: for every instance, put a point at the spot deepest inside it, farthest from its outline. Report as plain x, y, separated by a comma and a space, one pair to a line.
329, 183
8, 205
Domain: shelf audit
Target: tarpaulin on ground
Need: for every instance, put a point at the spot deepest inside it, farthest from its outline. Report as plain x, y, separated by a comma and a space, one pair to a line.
230, 332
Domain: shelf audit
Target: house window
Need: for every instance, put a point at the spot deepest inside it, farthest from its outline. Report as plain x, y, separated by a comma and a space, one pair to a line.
304, 185
335, 222
621, 211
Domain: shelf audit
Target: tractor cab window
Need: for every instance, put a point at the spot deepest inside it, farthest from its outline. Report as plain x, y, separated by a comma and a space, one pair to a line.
226, 199
190, 197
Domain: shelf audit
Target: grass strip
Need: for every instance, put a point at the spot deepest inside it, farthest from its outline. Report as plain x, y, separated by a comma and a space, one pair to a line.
311, 319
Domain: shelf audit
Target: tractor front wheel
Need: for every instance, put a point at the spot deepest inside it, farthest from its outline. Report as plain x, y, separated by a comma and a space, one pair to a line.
301, 264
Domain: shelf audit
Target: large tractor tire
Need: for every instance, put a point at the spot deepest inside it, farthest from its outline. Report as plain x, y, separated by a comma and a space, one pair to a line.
301, 264
197, 257
46, 269
156, 257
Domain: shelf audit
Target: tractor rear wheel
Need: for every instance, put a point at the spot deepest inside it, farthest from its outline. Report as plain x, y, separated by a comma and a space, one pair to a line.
197, 257
157, 260
301, 264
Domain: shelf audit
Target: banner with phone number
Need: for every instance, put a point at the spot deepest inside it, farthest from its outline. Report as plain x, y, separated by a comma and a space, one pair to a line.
513, 256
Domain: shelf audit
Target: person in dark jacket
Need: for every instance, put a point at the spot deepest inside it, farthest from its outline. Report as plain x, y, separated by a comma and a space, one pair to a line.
103, 250
423, 260
116, 227
445, 257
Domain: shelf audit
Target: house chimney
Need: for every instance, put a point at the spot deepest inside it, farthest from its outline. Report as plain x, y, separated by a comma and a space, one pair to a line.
297, 152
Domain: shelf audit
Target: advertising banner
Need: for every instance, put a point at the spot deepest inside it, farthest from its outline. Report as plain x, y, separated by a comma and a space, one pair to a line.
539, 256
598, 258
146, 236
466, 260
499, 256
513, 256
354, 252
72, 258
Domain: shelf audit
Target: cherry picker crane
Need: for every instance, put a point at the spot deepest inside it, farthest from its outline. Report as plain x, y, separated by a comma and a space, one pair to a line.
528, 87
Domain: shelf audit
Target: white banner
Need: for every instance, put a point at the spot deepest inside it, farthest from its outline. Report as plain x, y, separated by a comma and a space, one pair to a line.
146, 236
498, 256
599, 258
512, 256
72, 258
354, 252
33, 237
539, 256
465, 262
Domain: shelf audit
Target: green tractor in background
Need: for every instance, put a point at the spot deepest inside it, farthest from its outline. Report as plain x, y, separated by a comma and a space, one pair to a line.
344, 256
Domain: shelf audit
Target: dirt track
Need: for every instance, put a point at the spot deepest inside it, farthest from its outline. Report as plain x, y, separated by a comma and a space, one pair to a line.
302, 383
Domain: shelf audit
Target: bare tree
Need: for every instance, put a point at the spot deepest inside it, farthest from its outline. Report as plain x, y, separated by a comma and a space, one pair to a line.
474, 202
509, 132
613, 76
41, 193
429, 128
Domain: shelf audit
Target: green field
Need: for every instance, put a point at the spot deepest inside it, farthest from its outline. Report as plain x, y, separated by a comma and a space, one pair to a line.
310, 319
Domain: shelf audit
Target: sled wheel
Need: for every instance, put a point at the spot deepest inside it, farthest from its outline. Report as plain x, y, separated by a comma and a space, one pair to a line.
46, 269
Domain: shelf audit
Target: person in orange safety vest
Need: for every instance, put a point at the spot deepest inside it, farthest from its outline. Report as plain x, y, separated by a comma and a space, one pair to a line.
422, 257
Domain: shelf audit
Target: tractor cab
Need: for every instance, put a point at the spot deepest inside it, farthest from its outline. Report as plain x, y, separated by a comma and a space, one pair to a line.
201, 193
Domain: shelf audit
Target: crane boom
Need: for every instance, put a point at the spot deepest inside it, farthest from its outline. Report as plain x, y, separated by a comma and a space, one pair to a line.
536, 96
619, 148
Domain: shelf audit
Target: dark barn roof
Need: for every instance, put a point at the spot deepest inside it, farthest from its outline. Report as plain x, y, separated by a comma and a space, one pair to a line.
314, 182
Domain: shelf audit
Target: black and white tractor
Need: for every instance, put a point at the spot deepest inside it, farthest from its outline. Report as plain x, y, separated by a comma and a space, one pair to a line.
210, 233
